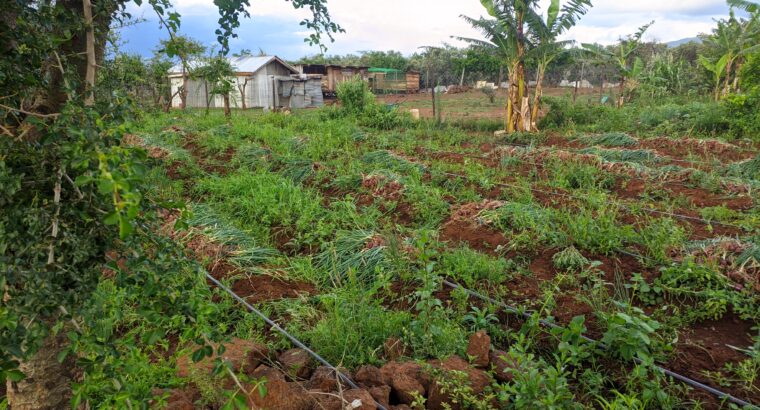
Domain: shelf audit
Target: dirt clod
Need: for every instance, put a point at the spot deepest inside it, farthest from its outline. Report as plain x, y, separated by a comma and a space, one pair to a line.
297, 363
244, 356
478, 348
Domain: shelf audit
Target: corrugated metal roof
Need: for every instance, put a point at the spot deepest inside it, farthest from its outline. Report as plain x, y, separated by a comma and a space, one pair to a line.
245, 64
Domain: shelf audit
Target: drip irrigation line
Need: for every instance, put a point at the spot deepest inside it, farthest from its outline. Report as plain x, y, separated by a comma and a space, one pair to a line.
290, 337
578, 151
641, 178
684, 379
621, 206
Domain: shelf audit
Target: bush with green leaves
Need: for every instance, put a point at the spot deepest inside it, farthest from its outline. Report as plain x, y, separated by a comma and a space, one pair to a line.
707, 292
631, 333
471, 267
355, 96
354, 327
535, 383
570, 260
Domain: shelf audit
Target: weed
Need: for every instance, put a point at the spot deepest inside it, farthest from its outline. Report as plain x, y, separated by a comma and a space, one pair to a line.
570, 260
631, 333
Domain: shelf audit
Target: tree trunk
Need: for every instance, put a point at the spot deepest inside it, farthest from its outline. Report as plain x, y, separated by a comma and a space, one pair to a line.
461, 80
621, 101
183, 90
243, 104
537, 99
208, 100
89, 78
227, 112
48, 382
728, 79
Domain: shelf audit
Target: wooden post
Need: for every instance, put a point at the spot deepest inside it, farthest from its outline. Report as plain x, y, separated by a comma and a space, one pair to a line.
433, 94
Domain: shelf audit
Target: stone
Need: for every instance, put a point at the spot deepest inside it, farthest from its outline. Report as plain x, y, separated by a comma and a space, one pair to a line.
500, 363
269, 373
296, 363
244, 355
359, 399
323, 379
282, 395
369, 376
478, 349
406, 380
478, 381
382, 394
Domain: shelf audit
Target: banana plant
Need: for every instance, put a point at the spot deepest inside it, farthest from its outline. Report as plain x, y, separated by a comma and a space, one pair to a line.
734, 39
558, 20
623, 57
507, 33
716, 68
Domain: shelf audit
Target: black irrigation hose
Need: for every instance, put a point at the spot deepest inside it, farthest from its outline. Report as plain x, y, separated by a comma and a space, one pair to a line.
621, 206
577, 151
640, 178
290, 337
684, 379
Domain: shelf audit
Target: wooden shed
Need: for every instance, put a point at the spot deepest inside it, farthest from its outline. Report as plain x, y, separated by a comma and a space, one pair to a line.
258, 83
332, 75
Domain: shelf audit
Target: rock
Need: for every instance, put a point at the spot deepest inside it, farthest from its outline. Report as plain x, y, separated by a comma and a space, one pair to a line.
182, 399
382, 394
351, 399
500, 364
370, 376
244, 355
282, 395
477, 379
478, 349
394, 349
323, 379
405, 380
359, 399
499, 133
264, 371
296, 363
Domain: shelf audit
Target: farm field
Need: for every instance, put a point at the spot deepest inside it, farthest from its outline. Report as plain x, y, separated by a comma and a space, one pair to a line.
226, 205
367, 244
474, 104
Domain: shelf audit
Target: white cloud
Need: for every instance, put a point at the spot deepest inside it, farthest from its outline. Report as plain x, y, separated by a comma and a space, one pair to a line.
406, 25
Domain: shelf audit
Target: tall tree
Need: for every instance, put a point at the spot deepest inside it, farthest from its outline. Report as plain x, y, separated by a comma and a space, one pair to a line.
548, 47
66, 180
730, 42
516, 30
623, 57
185, 50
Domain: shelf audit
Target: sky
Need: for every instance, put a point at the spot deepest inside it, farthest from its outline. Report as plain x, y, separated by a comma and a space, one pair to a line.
406, 25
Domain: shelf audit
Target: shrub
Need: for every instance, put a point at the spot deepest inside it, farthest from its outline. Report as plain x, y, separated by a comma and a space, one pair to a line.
469, 266
354, 328
355, 96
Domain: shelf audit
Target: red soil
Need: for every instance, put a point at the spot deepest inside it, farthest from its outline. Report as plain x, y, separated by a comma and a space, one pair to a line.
705, 347
389, 196
683, 147
463, 226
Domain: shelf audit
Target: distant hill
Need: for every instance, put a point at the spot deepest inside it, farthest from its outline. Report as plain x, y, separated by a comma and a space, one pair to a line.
677, 43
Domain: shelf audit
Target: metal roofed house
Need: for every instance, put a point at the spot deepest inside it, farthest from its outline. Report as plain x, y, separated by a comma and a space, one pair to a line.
260, 82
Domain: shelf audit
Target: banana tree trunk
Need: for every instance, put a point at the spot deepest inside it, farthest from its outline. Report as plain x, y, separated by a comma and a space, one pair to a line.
621, 101
537, 99
48, 383
727, 83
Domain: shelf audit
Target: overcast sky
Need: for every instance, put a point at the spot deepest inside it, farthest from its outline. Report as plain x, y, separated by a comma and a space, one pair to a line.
405, 25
